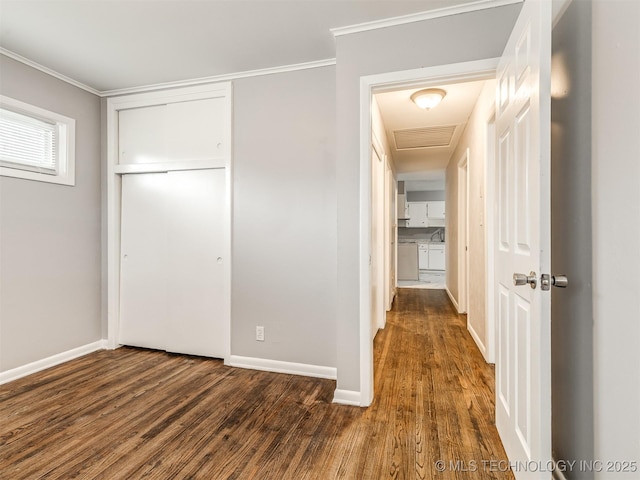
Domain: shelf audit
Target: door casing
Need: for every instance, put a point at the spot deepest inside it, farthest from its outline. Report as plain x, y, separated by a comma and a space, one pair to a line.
423, 77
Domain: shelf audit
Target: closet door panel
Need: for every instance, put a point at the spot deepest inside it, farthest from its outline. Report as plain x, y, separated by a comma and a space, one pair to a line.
195, 263
143, 276
196, 130
142, 135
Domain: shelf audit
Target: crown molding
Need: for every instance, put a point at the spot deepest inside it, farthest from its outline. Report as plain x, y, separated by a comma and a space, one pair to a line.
221, 78
48, 71
421, 16
163, 86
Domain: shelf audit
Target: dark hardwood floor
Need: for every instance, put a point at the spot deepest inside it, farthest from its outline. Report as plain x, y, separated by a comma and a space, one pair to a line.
133, 414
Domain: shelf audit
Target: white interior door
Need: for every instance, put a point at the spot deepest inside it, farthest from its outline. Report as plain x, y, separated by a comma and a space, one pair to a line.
523, 386
172, 274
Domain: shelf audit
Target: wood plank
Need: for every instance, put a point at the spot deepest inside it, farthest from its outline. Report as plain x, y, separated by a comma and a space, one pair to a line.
134, 413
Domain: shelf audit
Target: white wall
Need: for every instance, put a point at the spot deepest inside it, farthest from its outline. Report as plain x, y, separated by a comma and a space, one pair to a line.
284, 219
457, 38
50, 243
475, 139
616, 231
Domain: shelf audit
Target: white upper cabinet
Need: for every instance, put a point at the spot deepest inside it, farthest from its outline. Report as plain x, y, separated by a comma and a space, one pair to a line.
417, 214
177, 132
435, 210
425, 214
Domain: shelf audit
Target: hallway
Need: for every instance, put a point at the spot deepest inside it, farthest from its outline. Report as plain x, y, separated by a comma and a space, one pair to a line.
434, 394
133, 413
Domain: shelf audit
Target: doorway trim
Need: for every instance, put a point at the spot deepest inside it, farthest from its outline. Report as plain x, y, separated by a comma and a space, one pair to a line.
463, 234
489, 218
420, 77
114, 173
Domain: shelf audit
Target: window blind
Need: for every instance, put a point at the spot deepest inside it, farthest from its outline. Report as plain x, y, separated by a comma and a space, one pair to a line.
28, 143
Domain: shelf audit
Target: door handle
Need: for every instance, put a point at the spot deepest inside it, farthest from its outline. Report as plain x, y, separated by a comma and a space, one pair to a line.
559, 281
522, 279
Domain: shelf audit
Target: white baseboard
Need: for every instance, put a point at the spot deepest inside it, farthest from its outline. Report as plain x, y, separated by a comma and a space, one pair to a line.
346, 397
278, 366
51, 361
453, 300
479, 343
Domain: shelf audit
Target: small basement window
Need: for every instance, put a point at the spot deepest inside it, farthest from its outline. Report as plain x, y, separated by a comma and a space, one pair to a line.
36, 144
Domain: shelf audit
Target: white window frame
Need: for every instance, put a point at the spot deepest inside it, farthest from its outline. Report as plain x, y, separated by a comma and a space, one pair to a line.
66, 131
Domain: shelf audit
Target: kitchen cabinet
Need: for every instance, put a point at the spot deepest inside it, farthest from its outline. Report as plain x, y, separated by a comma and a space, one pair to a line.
407, 261
423, 256
425, 214
417, 214
436, 257
435, 209
431, 256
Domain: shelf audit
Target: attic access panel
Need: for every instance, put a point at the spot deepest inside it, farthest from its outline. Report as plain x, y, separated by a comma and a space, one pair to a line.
424, 137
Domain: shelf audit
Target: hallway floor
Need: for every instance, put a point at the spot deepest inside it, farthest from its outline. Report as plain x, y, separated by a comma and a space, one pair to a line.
133, 413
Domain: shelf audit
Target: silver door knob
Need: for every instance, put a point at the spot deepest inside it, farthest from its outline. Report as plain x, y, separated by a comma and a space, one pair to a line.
522, 279
559, 281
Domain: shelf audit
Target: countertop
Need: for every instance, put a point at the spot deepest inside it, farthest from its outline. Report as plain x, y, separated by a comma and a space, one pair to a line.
420, 241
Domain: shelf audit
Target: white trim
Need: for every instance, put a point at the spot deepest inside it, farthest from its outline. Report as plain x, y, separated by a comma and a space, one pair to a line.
52, 361
177, 84
421, 16
463, 232
489, 200
66, 139
456, 72
279, 366
347, 397
451, 297
114, 104
476, 338
220, 78
366, 335
48, 71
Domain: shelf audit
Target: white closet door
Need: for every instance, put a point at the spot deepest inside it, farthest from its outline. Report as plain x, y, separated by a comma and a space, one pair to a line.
195, 262
172, 275
176, 132
143, 275
196, 130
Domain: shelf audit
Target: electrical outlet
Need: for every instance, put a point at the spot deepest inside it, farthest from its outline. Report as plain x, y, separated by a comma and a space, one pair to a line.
260, 334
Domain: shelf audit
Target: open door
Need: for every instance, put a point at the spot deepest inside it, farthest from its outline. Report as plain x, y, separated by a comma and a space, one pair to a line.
523, 131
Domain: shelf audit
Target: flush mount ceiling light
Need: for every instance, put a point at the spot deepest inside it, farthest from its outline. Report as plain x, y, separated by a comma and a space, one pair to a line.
428, 98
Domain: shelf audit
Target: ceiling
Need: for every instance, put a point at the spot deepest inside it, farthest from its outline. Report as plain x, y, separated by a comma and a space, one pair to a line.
116, 44
424, 167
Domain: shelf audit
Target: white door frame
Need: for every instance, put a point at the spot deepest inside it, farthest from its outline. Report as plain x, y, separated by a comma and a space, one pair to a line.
489, 215
114, 191
463, 233
450, 73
